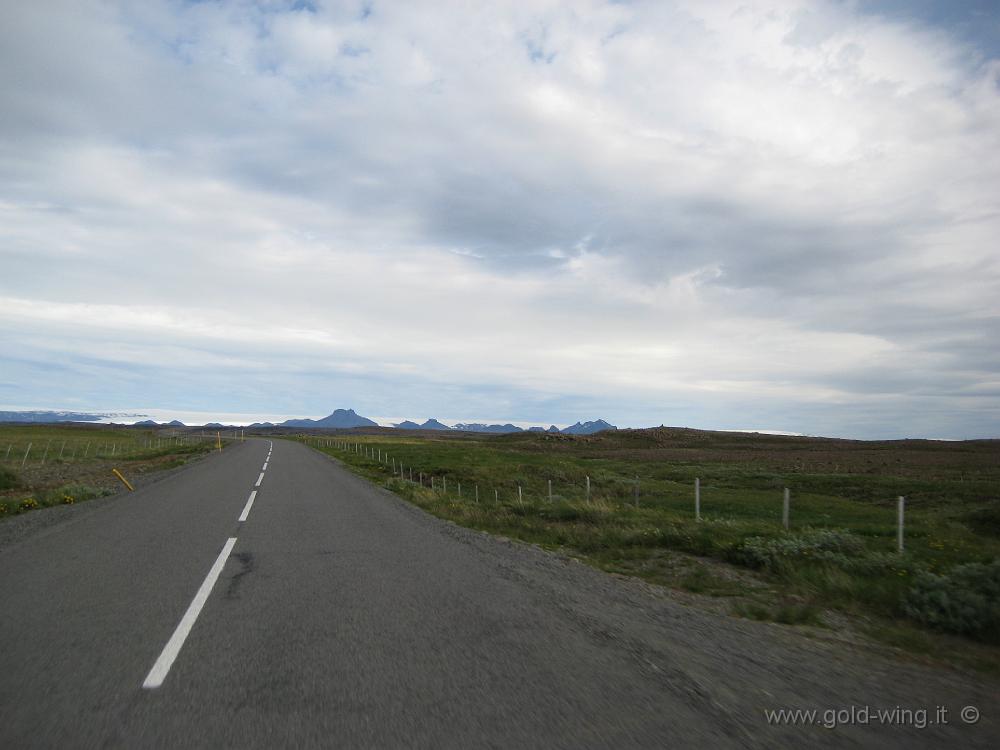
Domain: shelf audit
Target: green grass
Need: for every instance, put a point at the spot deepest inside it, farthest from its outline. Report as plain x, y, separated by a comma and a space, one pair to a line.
952, 491
43, 465
34, 446
8, 479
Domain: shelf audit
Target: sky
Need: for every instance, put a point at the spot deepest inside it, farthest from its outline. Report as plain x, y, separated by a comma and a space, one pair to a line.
724, 215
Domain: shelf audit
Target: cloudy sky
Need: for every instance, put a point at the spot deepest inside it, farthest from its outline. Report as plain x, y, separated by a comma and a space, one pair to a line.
770, 215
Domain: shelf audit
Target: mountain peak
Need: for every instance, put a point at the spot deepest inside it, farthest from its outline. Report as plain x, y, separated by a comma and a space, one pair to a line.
339, 419
588, 428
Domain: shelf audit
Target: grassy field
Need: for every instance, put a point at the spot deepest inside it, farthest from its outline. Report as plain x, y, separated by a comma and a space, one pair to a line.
45, 465
838, 559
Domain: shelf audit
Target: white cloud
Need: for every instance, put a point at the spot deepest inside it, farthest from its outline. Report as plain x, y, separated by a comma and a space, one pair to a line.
619, 206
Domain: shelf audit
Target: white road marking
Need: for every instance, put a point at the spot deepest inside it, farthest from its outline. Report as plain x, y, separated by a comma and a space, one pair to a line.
160, 670
246, 508
264, 467
259, 479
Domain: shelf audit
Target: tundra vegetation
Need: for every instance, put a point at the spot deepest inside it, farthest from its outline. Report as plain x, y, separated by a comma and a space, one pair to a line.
46, 465
836, 568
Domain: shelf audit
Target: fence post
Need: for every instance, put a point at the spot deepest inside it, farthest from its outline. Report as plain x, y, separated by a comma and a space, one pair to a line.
697, 499
411, 473
588, 490
550, 490
62, 448
46, 453
785, 509
459, 490
432, 482
636, 490
477, 494
8, 451
421, 478
901, 504
26, 455
520, 497
445, 482
496, 495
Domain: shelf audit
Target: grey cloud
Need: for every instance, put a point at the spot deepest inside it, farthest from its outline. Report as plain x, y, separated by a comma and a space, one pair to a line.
592, 176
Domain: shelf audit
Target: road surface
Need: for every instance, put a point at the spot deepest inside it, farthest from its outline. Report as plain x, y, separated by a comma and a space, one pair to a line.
329, 613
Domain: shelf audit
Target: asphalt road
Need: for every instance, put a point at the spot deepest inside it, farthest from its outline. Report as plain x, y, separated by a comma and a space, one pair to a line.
344, 617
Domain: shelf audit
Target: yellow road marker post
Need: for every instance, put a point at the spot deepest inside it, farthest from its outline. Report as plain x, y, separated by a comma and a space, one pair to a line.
218, 438
124, 480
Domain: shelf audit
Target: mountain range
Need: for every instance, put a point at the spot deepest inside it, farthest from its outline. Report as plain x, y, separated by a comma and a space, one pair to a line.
340, 419
580, 428
347, 418
48, 416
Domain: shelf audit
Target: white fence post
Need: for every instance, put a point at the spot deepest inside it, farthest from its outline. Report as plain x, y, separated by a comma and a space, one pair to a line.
550, 490
588, 490
901, 504
697, 498
26, 455
785, 508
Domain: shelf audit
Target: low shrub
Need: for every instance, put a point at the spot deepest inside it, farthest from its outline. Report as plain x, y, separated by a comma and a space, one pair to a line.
27, 504
966, 601
828, 545
77, 493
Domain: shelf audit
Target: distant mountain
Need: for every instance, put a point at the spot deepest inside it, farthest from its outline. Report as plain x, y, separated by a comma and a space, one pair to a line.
48, 416
260, 424
407, 425
536, 429
552, 428
588, 428
497, 428
146, 423
175, 423
433, 424
339, 419
212, 424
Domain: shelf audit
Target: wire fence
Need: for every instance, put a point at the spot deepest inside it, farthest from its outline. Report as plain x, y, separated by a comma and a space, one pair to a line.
621, 491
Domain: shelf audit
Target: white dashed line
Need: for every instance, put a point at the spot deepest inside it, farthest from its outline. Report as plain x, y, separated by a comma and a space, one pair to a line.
160, 670
246, 508
264, 467
259, 479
